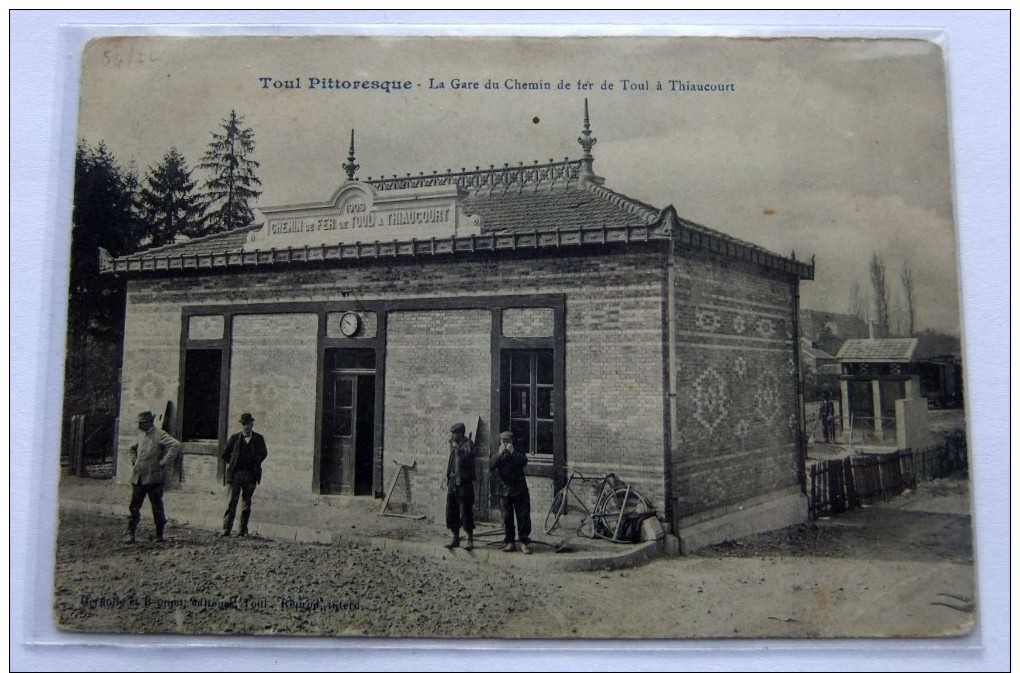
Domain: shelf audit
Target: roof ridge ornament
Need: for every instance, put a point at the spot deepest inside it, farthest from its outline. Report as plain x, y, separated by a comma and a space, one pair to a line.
587, 142
350, 166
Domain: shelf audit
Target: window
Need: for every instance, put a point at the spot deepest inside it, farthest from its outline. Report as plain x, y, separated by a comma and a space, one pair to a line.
528, 399
201, 405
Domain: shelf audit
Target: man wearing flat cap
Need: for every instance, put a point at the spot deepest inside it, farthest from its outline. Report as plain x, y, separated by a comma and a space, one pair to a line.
460, 488
152, 456
243, 454
512, 488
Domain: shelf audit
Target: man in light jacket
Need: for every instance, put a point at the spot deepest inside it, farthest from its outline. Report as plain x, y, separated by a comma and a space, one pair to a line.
152, 456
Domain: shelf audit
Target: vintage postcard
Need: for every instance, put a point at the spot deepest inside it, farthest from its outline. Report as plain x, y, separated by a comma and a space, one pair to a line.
514, 337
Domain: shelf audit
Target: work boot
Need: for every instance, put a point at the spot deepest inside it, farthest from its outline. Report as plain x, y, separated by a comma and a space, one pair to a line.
510, 546
524, 549
129, 537
226, 533
243, 533
455, 542
470, 542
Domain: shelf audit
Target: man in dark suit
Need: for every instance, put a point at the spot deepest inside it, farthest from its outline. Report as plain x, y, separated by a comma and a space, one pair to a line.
243, 454
460, 488
512, 488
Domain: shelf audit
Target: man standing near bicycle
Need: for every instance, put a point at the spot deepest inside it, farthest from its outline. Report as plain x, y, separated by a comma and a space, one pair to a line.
512, 488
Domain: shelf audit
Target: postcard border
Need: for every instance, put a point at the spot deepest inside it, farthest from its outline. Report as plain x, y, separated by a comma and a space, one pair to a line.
42, 340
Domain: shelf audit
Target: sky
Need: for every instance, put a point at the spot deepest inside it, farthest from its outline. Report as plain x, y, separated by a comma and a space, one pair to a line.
835, 148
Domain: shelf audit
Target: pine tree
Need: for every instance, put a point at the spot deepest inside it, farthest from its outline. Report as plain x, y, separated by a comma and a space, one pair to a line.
170, 204
233, 185
104, 216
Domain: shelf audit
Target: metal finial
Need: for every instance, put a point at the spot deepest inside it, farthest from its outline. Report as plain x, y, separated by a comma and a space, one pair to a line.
587, 142
350, 166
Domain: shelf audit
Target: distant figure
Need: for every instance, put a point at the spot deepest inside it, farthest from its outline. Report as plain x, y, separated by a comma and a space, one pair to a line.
151, 457
512, 488
460, 488
243, 454
826, 415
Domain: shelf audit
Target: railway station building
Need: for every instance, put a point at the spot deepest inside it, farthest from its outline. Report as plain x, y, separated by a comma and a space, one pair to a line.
607, 334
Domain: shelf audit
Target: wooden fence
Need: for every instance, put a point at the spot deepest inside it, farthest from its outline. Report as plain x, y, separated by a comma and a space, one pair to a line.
842, 484
88, 446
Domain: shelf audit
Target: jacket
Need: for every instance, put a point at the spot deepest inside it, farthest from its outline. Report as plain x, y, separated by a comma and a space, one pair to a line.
509, 465
460, 468
155, 451
247, 456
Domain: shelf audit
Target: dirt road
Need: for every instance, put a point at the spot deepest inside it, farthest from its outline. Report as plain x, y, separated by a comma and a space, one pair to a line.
902, 568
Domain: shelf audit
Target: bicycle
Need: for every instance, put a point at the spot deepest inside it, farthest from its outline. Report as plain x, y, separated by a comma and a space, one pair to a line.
613, 503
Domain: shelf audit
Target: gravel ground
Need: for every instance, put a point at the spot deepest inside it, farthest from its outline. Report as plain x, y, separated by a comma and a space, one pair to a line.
901, 568
895, 530
197, 582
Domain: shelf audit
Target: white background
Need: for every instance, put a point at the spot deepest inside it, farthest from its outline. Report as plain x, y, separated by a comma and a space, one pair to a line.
43, 106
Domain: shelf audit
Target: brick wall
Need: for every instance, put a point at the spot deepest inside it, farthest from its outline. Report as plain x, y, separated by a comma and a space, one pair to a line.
615, 382
614, 353
205, 327
736, 384
528, 322
438, 372
200, 472
152, 341
273, 367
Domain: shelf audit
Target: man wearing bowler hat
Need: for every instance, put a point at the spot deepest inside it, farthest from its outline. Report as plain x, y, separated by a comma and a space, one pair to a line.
152, 456
512, 488
460, 488
243, 454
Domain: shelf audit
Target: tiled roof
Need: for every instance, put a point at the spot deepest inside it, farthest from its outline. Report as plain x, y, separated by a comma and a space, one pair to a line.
520, 207
810, 350
227, 241
877, 350
571, 208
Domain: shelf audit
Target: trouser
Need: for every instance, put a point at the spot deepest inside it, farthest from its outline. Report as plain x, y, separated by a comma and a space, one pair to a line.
518, 506
155, 493
460, 509
826, 430
241, 486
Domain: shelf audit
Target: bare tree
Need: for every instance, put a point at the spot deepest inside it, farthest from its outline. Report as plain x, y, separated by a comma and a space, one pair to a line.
881, 295
858, 307
907, 278
897, 318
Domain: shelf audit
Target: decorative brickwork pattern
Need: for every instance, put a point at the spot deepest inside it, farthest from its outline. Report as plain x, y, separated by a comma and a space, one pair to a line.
438, 372
528, 322
737, 397
152, 341
199, 471
272, 375
205, 327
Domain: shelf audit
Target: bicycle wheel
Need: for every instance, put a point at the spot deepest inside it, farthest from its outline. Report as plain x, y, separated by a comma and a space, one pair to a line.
552, 518
614, 509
